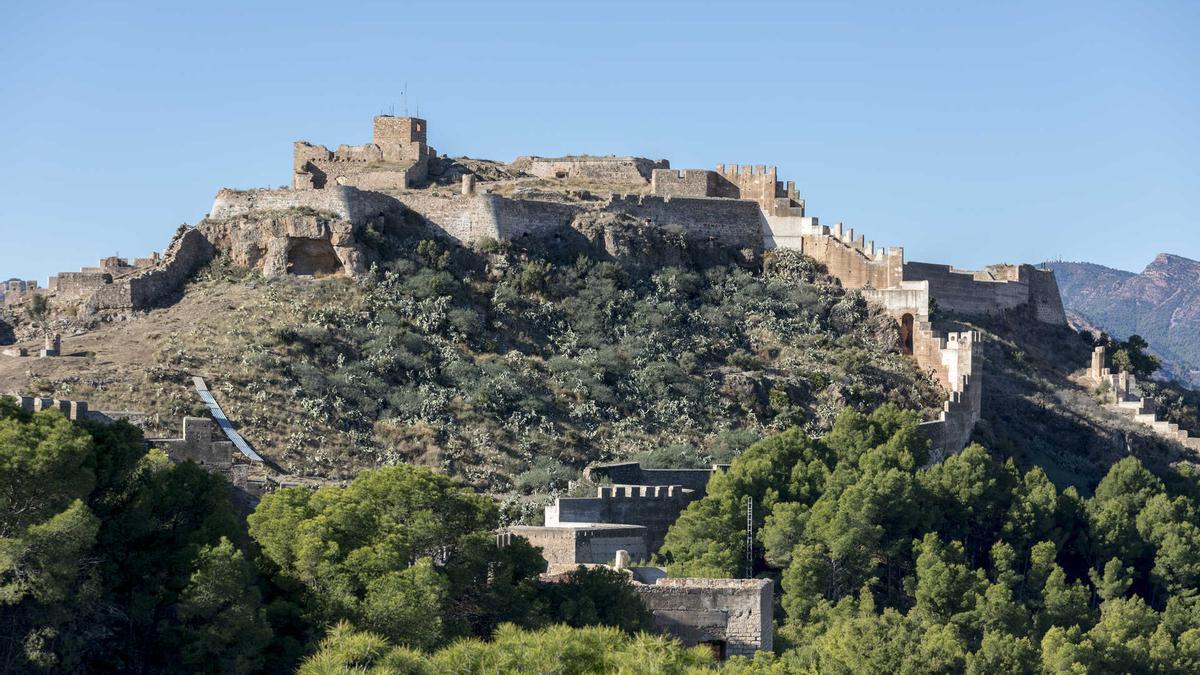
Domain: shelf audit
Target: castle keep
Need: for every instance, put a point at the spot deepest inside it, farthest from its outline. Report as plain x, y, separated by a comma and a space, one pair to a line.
397, 157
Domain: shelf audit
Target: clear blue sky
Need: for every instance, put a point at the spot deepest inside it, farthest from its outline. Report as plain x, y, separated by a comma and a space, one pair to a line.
969, 132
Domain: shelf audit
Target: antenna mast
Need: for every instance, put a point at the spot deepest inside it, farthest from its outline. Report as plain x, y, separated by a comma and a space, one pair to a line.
749, 537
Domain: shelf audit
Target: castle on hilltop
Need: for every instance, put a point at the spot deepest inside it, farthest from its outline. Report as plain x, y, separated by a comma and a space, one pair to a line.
315, 227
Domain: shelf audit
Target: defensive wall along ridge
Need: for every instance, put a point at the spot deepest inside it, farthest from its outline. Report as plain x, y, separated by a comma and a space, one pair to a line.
315, 228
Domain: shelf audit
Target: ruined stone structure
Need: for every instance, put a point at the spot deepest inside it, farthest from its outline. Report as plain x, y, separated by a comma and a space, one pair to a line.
754, 183
53, 346
16, 291
585, 167
398, 157
117, 285
1119, 391
72, 410
200, 443
733, 616
315, 229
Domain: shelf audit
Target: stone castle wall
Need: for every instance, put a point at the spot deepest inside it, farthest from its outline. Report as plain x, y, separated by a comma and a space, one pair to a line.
566, 546
729, 181
734, 222
995, 289
963, 368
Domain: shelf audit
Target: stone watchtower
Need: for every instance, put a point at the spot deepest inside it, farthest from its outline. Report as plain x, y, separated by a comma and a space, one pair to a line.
401, 139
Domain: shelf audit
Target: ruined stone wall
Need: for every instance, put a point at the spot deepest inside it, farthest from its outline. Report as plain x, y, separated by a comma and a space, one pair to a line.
653, 507
737, 223
734, 612
998, 288
690, 183
564, 547
189, 250
72, 410
349, 203
77, 285
632, 473
197, 444
617, 169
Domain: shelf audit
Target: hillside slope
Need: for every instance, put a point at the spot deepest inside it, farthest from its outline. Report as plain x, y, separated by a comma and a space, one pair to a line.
1040, 409
512, 368
1162, 304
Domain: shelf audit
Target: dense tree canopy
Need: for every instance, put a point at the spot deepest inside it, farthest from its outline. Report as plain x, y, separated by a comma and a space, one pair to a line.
967, 565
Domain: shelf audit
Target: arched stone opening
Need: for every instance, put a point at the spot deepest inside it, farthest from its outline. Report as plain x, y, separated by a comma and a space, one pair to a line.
313, 257
906, 334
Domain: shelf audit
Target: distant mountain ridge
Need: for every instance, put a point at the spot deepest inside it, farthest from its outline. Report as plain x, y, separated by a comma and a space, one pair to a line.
1162, 304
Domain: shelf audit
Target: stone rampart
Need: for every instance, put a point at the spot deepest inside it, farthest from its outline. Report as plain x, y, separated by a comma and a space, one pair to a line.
992, 290
754, 183
960, 371
734, 616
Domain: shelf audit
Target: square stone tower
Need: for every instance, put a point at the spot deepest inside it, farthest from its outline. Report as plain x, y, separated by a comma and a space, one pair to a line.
401, 139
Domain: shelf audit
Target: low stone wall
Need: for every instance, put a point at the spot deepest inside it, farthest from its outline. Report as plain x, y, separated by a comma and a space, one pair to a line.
567, 546
732, 615
73, 410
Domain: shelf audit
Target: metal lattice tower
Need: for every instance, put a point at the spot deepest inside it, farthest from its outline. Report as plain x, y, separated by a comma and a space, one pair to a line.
749, 537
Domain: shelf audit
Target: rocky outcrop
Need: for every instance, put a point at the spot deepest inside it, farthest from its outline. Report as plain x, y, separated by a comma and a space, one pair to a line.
292, 241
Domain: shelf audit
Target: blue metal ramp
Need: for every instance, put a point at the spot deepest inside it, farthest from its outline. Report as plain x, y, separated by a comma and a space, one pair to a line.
223, 422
